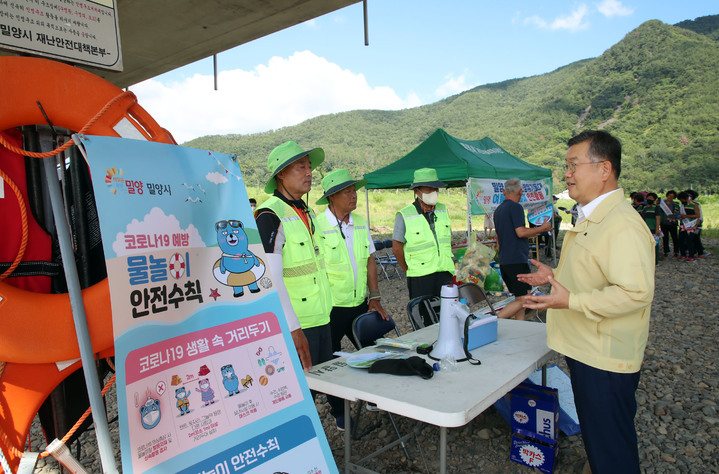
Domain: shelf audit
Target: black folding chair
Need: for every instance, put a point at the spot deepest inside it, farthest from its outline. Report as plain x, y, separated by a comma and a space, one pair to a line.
423, 311
474, 294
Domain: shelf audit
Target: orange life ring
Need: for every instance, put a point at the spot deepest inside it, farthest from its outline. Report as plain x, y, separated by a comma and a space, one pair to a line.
37, 330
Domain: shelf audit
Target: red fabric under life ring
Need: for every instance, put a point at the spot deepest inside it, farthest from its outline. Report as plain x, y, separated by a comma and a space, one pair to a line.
37, 329
39, 246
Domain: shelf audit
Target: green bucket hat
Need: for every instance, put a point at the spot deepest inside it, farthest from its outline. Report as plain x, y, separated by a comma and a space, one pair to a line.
336, 181
426, 177
286, 154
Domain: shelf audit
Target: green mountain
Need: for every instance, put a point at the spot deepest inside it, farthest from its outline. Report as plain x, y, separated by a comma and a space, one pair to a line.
657, 90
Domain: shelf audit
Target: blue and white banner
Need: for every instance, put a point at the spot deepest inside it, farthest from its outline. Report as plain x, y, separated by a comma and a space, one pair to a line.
208, 377
486, 194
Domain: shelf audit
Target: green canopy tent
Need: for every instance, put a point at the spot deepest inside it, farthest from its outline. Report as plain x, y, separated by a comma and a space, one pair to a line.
455, 161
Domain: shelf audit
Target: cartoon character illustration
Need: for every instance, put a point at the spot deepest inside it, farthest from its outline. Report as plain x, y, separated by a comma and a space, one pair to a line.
150, 413
208, 395
229, 379
183, 404
238, 267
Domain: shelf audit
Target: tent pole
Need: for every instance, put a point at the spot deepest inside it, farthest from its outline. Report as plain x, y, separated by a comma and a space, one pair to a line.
469, 211
366, 199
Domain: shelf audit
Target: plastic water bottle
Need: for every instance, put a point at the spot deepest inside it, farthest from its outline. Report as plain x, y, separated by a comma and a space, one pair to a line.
448, 364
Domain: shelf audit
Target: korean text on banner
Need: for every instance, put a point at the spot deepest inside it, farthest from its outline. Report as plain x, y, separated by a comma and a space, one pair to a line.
208, 376
486, 194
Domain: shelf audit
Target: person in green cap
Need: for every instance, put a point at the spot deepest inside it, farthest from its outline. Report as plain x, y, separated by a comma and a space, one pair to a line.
287, 228
348, 249
422, 237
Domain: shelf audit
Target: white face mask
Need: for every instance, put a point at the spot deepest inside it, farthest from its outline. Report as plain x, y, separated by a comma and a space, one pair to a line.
430, 198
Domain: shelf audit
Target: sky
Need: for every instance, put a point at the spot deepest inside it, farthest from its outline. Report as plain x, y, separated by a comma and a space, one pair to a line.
420, 51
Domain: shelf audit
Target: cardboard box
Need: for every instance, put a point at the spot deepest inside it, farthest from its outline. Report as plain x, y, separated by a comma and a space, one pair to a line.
534, 451
482, 331
535, 409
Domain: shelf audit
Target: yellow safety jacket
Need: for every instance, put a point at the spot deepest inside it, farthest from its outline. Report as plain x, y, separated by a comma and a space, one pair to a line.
346, 292
422, 253
303, 267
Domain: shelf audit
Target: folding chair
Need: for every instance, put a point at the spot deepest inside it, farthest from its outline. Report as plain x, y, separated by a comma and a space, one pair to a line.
379, 258
391, 259
474, 294
366, 329
423, 311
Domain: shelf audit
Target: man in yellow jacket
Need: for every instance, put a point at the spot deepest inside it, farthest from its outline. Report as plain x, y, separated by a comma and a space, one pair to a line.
349, 259
422, 237
600, 302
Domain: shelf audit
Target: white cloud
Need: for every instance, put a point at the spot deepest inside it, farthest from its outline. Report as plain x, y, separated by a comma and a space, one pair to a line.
215, 177
610, 8
536, 20
452, 85
283, 92
154, 223
574, 21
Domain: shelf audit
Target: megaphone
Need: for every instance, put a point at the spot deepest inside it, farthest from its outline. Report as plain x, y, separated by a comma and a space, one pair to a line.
452, 315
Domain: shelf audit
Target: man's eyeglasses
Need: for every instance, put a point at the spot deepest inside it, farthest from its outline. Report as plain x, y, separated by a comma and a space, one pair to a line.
224, 224
572, 166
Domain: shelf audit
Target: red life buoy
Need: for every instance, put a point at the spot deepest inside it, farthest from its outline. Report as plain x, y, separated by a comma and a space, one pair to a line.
36, 329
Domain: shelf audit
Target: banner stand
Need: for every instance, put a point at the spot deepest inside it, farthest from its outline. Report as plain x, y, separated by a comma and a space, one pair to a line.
92, 382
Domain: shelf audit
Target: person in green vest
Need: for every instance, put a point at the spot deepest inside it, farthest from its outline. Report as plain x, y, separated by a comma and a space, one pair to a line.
287, 228
422, 237
348, 250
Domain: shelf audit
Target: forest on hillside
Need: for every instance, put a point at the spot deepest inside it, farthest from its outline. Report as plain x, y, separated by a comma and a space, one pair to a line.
657, 90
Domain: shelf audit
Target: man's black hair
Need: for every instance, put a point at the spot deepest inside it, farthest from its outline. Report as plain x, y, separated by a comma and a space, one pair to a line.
603, 146
682, 195
671, 191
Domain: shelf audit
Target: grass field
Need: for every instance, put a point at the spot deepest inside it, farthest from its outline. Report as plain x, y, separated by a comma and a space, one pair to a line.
384, 204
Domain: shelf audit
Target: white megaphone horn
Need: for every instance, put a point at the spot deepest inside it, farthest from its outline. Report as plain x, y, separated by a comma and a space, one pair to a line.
451, 317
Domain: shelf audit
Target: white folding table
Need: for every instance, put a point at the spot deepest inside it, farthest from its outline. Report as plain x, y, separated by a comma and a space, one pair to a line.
448, 399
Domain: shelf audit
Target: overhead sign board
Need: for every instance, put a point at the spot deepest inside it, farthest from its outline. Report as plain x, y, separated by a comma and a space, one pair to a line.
76, 31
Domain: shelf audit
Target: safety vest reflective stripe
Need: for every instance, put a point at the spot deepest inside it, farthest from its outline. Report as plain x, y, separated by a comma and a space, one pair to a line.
346, 292
303, 267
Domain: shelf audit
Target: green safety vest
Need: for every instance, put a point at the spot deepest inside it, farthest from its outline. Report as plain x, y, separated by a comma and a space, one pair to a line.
303, 267
648, 213
346, 292
422, 253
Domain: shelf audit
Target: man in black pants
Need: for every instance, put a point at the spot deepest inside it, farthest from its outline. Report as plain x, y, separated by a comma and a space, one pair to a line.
512, 237
349, 258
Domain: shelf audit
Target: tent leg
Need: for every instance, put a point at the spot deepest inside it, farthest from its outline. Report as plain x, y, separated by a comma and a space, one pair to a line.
469, 210
366, 199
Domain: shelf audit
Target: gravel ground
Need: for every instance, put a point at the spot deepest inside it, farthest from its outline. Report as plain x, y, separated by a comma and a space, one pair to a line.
677, 420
